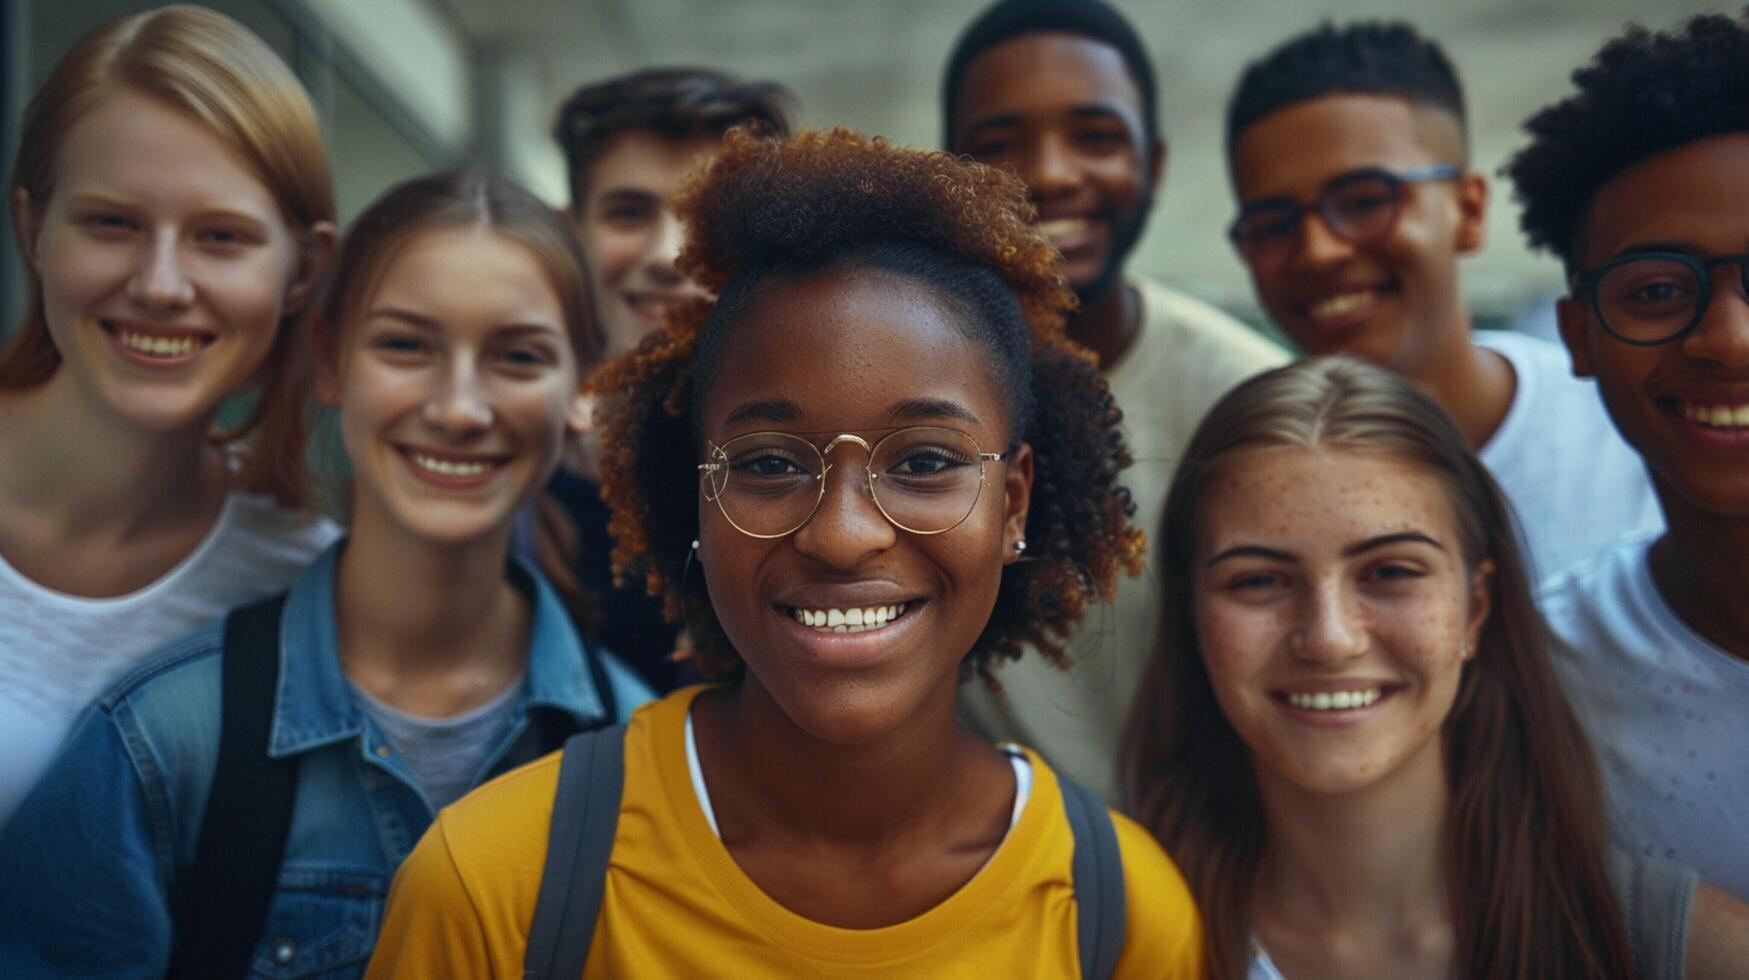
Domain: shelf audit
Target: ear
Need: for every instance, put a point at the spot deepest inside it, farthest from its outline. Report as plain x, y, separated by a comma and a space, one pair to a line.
1576, 334
314, 252
24, 226
1481, 602
1157, 164
581, 418
1472, 199
1016, 499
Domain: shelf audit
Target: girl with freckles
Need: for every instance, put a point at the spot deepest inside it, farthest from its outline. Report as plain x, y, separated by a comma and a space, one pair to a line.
871, 468
410, 662
172, 204
1349, 734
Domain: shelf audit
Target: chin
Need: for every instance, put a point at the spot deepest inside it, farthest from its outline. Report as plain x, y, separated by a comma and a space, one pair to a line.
846, 713
159, 408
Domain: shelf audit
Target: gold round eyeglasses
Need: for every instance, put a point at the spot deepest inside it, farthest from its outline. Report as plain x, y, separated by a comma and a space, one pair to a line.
925, 479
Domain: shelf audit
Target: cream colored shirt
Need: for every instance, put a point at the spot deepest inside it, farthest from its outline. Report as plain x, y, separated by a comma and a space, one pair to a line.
1186, 356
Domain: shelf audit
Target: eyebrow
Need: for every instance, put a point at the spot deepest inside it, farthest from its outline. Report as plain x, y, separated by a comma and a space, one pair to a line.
912, 409
1359, 547
1685, 248
426, 323
766, 410
1093, 110
122, 203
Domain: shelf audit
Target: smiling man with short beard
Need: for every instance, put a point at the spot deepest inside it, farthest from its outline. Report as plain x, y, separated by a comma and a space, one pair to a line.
1064, 95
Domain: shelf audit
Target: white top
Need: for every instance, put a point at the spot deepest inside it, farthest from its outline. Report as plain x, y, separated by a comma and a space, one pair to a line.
1667, 712
1575, 486
59, 651
1016, 758
1187, 355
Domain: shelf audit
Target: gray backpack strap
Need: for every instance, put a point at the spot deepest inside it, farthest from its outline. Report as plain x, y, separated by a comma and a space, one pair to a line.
1656, 899
1098, 875
585, 816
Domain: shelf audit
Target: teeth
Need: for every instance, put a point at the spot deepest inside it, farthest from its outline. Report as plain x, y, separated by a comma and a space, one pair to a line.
1335, 700
1717, 416
848, 620
1337, 306
159, 346
446, 467
1063, 228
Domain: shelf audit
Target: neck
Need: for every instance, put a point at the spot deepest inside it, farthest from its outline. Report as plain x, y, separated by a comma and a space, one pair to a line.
87, 471
1700, 565
1108, 323
1474, 385
408, 605
1368, 861
859, 796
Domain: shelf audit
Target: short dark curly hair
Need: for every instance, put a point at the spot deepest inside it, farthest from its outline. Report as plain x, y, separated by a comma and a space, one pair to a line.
673, 103
1644, 93
768, 210
1361, 58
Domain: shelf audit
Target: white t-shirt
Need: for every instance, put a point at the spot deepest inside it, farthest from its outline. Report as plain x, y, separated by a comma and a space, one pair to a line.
1575, 486
1667, 712
1185, 357
59, 651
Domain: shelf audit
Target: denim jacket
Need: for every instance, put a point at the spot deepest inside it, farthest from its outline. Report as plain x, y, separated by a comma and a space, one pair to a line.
90, 865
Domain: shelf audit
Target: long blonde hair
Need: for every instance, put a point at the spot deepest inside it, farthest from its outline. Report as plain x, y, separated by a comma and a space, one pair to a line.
218, 72
1524, 849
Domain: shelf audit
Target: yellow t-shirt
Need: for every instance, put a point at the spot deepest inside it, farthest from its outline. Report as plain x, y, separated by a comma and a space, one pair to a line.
676, 905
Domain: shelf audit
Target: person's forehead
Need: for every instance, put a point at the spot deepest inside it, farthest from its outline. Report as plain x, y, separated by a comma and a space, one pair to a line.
641, 159
1690, 195
1042, 73
1298, 147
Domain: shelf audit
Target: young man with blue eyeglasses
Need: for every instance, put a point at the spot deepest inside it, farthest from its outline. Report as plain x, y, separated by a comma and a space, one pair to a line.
1347, 149
1638, 183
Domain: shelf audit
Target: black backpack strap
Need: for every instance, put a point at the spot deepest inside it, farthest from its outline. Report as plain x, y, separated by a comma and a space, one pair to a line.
1099, 884
585, 816
226, 892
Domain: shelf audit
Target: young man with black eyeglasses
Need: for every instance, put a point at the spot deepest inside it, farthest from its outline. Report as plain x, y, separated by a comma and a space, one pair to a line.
1347, 150
1638, 182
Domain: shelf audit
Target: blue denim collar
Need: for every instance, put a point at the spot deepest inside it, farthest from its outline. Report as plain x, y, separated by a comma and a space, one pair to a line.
314, 704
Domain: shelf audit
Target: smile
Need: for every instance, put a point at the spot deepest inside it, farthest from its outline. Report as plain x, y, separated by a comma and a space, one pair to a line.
855, 620
1716, 416
1343, 305
1334, 700
452, 470
156, 347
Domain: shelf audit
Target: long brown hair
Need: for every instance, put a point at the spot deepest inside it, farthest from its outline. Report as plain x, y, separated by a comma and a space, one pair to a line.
212, 68
1525, 843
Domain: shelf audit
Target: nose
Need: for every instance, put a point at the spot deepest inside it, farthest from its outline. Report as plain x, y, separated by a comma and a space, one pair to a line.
1330, 629
458, 403
1050, 170
1722, 336
160, 282
847, 528
664, 249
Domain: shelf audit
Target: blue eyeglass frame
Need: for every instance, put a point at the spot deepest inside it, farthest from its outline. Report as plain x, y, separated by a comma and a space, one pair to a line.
1394, 178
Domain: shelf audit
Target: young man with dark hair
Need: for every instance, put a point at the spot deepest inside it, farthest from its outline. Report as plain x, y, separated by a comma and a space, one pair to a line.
629, 142
1637, 181
1064, 93
1348, 154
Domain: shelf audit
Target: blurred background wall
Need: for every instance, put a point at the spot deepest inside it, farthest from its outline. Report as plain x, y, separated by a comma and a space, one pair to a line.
405, 86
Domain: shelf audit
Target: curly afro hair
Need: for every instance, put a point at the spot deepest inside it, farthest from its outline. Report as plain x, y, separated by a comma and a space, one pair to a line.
1643, 94
766, 211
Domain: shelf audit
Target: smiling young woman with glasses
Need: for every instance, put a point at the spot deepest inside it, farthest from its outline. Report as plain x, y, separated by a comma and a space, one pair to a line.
855, 444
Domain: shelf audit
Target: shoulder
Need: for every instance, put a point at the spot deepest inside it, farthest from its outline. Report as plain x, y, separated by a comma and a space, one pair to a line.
184, 670
1575, 602
1163, 930
496, 835
263, 528
1177, 317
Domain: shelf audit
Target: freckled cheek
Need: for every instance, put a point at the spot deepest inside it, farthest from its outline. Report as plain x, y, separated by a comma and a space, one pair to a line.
1236, 642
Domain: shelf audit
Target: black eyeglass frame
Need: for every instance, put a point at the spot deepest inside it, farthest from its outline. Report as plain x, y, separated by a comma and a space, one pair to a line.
1589, 284
1395, 180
